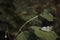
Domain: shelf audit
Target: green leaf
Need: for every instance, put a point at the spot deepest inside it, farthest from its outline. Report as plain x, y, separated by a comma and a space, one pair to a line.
44, 35
27, 17
47, 15
23, 36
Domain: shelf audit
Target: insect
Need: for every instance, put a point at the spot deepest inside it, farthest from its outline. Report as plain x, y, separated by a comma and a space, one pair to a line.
47, 29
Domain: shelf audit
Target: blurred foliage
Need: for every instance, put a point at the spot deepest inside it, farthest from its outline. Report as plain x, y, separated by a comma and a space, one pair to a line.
24, 19
44, 35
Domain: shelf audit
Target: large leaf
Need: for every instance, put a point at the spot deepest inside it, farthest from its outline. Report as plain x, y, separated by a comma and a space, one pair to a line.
44, 35
23, 36
47, 15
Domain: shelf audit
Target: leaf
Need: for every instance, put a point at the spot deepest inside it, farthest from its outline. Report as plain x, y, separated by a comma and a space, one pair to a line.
47, 15
44, 35
27, 17
23, 36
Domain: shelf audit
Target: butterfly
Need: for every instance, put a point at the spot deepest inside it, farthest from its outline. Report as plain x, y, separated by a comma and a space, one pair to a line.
47, 29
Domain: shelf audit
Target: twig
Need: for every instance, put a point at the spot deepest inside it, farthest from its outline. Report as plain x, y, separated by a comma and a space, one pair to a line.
26, 23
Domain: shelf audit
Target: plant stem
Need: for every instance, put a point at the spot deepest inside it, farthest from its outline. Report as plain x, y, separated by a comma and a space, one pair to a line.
26, 23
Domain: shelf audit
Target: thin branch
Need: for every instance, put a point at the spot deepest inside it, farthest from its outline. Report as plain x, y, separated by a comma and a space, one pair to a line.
26, 23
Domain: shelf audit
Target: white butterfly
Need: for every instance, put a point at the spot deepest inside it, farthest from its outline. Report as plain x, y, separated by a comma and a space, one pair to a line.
47, 29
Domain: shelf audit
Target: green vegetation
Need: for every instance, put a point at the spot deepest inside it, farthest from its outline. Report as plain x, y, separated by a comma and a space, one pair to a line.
24, 19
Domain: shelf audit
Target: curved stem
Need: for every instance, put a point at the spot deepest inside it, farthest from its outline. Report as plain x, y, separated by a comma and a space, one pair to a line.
26, 23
